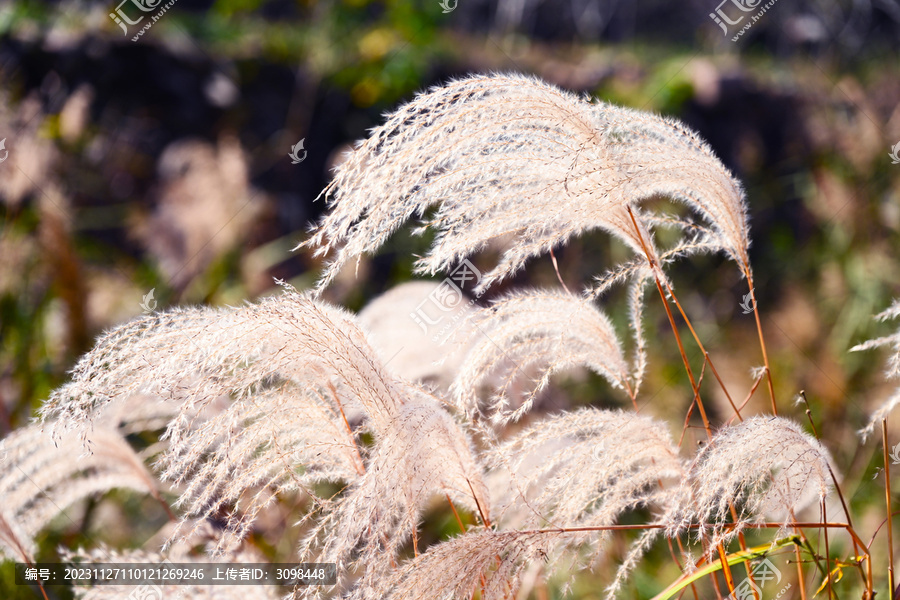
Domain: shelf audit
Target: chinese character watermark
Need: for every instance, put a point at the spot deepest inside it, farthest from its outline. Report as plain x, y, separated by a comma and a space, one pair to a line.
447, 300
751, 587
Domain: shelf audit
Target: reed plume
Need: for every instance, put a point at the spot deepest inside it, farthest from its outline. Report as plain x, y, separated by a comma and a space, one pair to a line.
547, 330
40, 479
407, 348
489, 561
583, 468
513, 160
425, 454
892, 369
296, 372
764, 467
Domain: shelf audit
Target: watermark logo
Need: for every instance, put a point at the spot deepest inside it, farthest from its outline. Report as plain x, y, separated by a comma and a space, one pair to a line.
894, 153
5, 151
721, 17
120, 18
749, 304
148, 591
148, 304
445, 299
751, 587
895, 454
295, 157
151, 591
734, 13
123, 20
447, 7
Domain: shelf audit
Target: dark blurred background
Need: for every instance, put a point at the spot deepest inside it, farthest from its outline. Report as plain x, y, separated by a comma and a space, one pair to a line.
163, 164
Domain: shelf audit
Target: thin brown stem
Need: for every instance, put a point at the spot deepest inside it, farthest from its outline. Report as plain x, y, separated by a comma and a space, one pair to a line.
887, 499
484, 518
726, 569
693, 587
462, 528
827, 551
706, 355
684, 358
834, 480
360, 466
749, 394
800, 579
762, 341
812, 423
556, 268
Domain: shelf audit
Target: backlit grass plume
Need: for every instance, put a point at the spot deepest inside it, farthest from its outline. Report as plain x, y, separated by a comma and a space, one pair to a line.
511, 159
892, 370
40, 480
425, 454
547, 330
584, 467
405, 342
296, 372
765, 468
493, 562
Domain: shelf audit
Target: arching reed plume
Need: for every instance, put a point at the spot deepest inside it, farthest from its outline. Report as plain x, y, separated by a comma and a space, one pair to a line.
429, 351
547, 330
40, 479
511, 159
892, 369
583, 468
424, 454
765, 468
293, 369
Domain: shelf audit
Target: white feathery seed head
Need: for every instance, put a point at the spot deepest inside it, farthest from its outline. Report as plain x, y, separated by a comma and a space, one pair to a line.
892, 370
424, 453
452, 569
416, 335
583, 468
511, 159
40, 479
546, 330
765, 467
